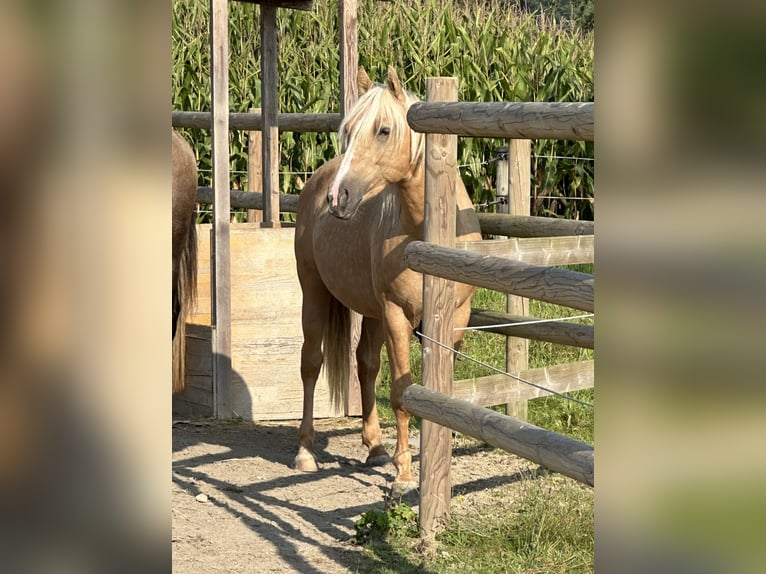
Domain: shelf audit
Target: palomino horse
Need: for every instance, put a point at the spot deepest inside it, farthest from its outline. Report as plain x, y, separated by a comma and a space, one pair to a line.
184, 251
355, 216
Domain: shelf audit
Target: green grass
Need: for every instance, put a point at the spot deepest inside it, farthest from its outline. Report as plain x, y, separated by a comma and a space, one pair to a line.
547, 528
544, 525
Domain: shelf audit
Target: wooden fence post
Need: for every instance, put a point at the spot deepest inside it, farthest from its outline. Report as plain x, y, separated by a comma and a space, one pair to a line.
348, 63
270, 105
349, 54
438, 311
219, 54
254, 168
516, 348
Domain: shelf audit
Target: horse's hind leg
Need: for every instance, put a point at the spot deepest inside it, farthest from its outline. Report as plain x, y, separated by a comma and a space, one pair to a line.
368, 361
316, 302
460, 319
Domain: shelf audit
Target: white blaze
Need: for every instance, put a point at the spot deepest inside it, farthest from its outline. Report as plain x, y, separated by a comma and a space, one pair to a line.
342, 171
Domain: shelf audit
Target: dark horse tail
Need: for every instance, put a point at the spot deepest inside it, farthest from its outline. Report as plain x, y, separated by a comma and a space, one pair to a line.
185, 294
336, 349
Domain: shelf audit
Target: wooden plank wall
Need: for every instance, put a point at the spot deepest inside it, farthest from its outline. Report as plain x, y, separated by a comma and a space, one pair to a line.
266, 329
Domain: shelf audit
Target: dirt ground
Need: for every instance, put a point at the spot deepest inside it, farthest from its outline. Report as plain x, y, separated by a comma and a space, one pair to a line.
239, 506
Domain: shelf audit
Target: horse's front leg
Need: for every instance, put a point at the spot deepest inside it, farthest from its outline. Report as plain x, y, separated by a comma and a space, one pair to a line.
398, 332
313, 317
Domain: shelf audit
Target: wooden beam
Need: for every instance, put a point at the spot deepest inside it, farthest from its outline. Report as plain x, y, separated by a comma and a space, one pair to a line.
550, 284
305, 5
438, 310
254, 169
270, 108
556, 452
299, 123
522, 120
219, 48
348, 64
499, 389
517, 348
249, 200
531, 226
558, 332
349, 54
563, 250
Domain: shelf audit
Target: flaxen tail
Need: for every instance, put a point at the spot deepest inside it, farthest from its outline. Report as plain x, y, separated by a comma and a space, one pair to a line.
186, 296
336, 349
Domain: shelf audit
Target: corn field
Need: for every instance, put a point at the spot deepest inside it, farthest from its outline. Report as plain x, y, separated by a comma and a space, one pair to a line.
497, 52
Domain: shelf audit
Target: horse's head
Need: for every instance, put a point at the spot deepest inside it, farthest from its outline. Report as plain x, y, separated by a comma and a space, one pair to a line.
378, 145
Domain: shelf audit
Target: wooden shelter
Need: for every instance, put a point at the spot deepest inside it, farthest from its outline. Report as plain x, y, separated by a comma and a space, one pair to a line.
235, 362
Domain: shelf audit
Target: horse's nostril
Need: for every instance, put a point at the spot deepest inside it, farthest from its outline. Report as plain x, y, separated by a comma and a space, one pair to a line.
329, 199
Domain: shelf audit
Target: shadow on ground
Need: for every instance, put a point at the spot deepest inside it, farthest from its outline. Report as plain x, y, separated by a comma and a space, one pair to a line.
256, 504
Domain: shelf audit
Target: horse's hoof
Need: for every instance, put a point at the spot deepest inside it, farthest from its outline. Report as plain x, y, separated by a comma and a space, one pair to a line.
305, 462
378, 460
402, 487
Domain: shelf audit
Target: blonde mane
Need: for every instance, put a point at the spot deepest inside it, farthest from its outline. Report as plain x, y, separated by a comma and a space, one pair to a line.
376, 105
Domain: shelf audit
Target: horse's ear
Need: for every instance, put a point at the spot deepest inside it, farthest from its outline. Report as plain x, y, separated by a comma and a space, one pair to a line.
395, 85
363, 81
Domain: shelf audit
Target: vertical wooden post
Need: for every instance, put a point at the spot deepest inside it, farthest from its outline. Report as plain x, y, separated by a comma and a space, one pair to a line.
270, 105
254, 169
349, 54
517, 349
438, 310
349, 92
502, 179
219, 55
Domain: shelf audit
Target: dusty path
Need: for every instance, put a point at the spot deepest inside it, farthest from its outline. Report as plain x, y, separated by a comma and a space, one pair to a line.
260, 515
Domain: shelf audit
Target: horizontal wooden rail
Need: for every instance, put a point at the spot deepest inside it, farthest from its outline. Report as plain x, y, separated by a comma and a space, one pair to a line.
291, 4
550, 284
531, 226
564, 250
252, 121
554, 451
249, 199
500, 389
559, 332
518, 120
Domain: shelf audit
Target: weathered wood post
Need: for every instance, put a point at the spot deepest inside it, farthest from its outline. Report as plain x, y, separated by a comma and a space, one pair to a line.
254, 168
518, 172
219, 57
270, 105
438, 310
349, 92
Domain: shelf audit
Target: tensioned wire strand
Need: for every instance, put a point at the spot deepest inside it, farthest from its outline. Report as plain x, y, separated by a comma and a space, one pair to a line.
483, 364
533, 322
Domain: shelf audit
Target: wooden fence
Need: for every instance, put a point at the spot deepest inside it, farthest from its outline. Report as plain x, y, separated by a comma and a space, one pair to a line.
442, 121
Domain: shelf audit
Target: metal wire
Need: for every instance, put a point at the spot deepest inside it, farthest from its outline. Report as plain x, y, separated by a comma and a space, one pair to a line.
487, 365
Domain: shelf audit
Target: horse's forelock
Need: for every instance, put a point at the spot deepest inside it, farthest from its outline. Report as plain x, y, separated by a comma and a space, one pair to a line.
362, 119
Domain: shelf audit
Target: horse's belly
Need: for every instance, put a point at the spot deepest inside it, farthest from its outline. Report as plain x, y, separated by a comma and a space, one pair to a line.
344, 263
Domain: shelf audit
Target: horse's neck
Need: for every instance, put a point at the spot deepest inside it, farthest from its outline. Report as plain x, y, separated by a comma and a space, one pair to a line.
412, 198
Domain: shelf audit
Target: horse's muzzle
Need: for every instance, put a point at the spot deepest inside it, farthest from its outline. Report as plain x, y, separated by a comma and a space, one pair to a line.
340, 208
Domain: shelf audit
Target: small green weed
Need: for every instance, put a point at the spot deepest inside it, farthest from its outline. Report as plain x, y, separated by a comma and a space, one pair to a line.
398, 521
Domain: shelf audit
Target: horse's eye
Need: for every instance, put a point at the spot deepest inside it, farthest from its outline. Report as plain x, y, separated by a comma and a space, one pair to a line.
384, 131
